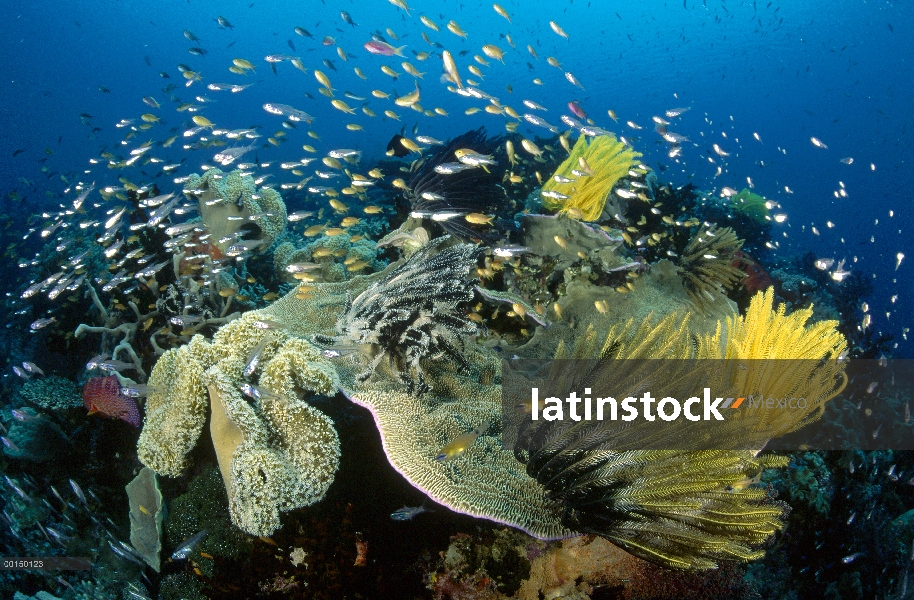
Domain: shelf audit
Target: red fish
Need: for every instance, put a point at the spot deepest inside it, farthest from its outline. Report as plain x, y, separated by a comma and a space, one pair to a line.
103, 395
757, 278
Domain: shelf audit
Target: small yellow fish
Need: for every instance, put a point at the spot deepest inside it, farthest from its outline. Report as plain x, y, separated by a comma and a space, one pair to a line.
501, 11
227, 292
243, 64
531, 147
269, 296
493, 51
350, 221
410, 145
472, 110
532, 51
356, 266
392, 114
361, 75
399, 184
553, 61
372, 210
322, 78
409, 99
388, 71
558, 30
376, 174
341, 53
334, 231
314, 230
144, 510
308, 148
429, 23
237, 70
451, 67
321, 252
368, 111
354, 127
475, 71
313, 134
479, 219
460, 444
454, 28
150, 118
441, 111
380, 94
340, 105
411, 70
562, 242
339, 206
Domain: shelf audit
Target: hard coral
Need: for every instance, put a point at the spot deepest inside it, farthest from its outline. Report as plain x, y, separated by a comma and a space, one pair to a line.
608, 158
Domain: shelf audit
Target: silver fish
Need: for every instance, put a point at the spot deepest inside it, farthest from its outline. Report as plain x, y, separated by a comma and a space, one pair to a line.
188, 546
408, 513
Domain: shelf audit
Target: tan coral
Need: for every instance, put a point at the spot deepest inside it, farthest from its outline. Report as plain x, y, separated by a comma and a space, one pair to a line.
275, 455
240, 199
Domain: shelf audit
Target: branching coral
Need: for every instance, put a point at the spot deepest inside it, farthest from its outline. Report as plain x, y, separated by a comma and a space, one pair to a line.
412, 314
607, 157
707, 267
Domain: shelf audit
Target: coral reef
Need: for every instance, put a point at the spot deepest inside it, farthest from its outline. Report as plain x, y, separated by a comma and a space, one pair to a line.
233, 208
277, 455
53, 393
607, 160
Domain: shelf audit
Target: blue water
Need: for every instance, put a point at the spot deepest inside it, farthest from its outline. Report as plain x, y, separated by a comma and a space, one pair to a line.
786, 71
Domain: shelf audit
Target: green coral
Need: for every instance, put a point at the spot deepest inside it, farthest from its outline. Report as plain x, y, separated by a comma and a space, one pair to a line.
205, 506
751, 205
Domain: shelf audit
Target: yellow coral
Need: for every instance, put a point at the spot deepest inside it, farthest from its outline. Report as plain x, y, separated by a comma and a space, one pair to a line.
609, 159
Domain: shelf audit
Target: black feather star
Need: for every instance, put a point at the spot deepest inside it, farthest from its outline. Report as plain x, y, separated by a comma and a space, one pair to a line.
470, 191
413, 313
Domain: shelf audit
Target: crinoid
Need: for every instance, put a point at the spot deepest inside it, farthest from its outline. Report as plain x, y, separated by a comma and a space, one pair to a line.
707, 263
412, 314
469, 191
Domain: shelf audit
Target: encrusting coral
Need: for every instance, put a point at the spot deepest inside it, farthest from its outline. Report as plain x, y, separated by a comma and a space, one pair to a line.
609, 160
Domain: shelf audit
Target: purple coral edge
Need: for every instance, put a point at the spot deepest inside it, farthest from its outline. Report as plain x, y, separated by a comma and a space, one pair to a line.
594, 229
437, 499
